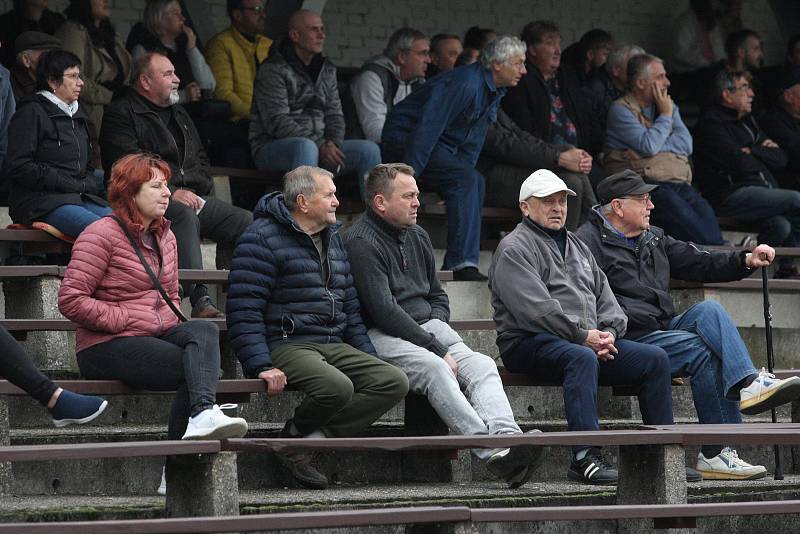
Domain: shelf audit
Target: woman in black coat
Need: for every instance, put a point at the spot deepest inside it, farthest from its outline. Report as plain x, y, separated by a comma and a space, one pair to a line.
49, 147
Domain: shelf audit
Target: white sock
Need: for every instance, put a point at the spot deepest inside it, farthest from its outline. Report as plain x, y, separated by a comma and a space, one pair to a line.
317, 434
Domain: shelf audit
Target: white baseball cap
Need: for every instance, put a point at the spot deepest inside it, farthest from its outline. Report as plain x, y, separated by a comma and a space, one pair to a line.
542, 183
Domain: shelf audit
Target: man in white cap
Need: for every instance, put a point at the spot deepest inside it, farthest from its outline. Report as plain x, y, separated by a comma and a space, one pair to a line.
557, 319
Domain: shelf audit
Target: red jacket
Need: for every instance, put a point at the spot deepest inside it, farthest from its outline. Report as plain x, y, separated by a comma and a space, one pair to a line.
106, 290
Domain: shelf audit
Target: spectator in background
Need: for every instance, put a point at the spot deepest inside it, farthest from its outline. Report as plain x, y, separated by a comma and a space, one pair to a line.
439, 130
509, 156
735, 163
106, 65
646, 134
782, 124
406, 311
445, 49
26, 15
793, 50
383, 81
548, 101
589, 55
474, 40
698, 37
51, 178
64, 406
147, 118
126, 330
29, 46
468, 56
7, 109
165, 30
297, 114
609, 83
235, 53
294, 317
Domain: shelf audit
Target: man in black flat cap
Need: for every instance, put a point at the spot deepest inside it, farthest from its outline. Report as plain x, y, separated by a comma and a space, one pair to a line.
702, 342
782, 123
29, 46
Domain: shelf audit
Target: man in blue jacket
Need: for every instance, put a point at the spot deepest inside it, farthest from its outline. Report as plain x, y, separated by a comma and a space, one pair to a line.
440, 129
293, 318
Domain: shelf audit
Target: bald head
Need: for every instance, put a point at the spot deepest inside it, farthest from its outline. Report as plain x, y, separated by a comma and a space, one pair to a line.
307, 33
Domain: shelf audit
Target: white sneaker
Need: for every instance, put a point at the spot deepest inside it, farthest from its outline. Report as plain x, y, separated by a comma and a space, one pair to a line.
162, 488
728, 466
213, 424
767, 392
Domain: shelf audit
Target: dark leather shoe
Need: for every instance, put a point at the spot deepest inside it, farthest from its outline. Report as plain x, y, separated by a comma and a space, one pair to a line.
693, 475
469, 274
299, 466
205, 309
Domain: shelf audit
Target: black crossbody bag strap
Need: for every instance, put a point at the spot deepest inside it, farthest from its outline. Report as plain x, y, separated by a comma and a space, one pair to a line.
147, 268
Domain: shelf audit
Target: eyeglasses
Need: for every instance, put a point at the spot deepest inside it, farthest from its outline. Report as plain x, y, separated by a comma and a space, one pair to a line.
256, 9
644, 199
743, 87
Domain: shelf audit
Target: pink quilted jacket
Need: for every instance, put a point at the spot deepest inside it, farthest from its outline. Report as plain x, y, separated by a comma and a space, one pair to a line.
106, 290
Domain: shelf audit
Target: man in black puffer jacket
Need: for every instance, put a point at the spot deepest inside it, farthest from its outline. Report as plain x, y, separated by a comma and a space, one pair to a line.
294, 317
702, 342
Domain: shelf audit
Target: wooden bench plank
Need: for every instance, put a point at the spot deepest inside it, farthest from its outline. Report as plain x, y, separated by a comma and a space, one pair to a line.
126, 449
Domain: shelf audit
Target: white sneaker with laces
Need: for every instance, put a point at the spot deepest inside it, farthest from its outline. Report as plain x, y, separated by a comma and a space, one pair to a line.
767, 392
162, 488
728, 466
213, 424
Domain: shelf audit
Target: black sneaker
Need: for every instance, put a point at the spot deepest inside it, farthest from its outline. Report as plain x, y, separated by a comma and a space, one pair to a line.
517, 464
693, 475
469, 274
593, 469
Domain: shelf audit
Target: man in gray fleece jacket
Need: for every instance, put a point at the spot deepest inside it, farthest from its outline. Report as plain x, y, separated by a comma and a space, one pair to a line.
406, 311
557, 319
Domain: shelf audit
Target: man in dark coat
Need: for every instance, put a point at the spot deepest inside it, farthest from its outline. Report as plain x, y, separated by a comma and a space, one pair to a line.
782, 124
294, 317
702, 342
147, 118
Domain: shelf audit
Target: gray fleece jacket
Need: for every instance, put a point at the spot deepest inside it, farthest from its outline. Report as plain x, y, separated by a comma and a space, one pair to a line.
534, 290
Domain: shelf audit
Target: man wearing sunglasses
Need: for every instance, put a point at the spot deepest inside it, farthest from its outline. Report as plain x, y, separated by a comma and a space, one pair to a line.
702, 342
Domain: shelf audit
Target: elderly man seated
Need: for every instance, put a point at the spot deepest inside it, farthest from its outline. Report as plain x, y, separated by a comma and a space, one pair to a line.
557, 319
701, 342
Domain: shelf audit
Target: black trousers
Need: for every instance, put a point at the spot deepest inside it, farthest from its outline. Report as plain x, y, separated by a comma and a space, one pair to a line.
17, 367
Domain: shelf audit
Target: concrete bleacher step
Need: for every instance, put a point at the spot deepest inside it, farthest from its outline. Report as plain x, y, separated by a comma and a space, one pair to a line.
49, 508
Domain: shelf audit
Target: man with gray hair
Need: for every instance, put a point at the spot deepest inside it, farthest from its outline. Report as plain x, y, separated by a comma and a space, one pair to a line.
293, 318
439, 130
407, 311
383, 81
646, 134
609, 83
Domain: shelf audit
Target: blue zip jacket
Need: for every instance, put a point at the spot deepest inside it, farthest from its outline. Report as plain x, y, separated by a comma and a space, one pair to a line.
277, 295
453, 110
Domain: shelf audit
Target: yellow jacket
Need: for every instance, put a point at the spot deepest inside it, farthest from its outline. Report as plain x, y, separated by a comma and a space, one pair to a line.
234, 61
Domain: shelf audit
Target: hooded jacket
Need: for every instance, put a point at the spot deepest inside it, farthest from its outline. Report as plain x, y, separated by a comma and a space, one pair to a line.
287, 102
106, 289
277, 294
535, 290
639, 275
372, 93
47, 162
132, 125
720, 164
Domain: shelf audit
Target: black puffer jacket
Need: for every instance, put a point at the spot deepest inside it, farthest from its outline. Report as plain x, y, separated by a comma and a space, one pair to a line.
130, 124
277, 294
639, 276
48, 160
721, 166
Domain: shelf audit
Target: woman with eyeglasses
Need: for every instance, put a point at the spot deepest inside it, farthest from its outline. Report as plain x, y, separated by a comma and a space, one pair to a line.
47, 164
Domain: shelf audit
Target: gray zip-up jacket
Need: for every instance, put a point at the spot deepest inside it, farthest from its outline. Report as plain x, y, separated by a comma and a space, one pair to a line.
535, 291
288, 103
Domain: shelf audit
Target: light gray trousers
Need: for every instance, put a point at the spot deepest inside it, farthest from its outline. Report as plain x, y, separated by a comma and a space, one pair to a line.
473, 403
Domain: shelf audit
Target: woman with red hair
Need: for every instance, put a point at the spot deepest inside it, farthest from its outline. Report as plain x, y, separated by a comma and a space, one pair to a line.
121, 288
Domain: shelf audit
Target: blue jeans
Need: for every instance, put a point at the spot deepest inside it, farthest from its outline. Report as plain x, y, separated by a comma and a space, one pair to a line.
775, 211
463, 190
283, 155
684, 214
703, 343
72, 219
579, 372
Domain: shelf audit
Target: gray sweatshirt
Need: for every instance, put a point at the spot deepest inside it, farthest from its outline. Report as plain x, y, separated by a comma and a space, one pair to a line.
534, 290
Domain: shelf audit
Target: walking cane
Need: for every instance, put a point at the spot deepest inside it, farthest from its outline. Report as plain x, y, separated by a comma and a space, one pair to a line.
770, 362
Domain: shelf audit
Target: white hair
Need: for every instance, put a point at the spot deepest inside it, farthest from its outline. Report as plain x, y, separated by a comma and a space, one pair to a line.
501, 50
